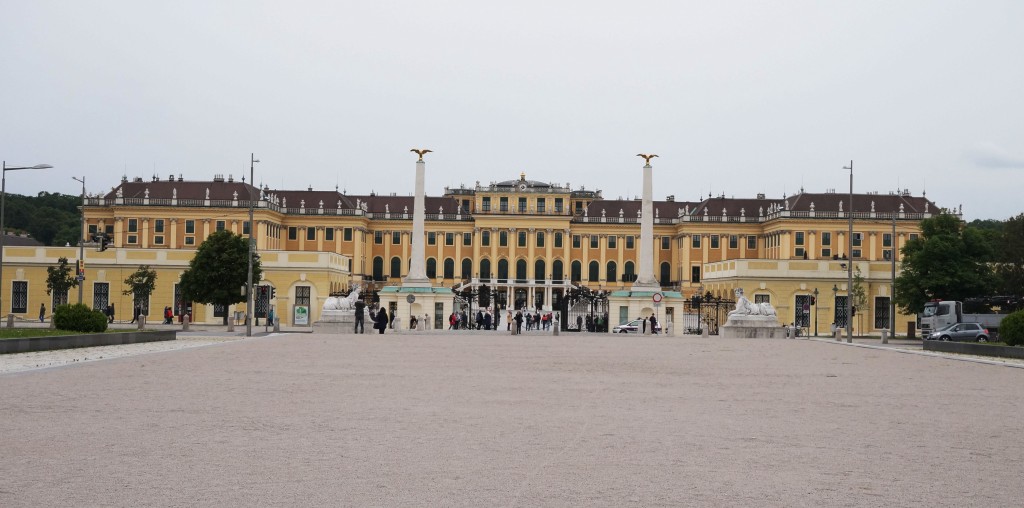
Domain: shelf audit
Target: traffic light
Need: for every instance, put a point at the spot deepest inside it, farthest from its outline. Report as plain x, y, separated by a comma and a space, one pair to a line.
814, 300
103, 240
273, 292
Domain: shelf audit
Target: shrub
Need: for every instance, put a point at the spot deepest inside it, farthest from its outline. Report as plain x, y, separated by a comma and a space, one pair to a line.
1011, 330
79, 318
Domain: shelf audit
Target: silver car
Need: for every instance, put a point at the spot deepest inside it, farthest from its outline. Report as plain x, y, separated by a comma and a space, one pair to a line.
634, 326
961, 332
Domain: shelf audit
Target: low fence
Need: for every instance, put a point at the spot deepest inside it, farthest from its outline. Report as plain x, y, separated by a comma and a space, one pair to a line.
30, 344
971, 348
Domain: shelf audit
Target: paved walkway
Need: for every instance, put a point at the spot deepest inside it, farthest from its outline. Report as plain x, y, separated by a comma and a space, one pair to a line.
493, 420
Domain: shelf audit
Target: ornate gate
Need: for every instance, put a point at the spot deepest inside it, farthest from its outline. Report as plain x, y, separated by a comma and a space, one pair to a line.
704, 312
584, 309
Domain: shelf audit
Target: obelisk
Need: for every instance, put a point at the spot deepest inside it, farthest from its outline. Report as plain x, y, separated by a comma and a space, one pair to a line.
417, 272
645, 280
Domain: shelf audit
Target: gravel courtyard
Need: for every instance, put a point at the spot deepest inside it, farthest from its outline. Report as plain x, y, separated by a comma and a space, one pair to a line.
461, 419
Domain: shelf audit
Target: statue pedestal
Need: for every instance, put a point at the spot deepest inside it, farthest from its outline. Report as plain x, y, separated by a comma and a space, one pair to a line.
339, 321
752, 327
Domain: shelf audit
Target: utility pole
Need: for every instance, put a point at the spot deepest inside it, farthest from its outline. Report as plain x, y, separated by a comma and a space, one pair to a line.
849, 266
81, 246
252, 246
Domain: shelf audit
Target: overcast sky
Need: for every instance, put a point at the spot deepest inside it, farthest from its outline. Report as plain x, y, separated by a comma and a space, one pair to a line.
736, 97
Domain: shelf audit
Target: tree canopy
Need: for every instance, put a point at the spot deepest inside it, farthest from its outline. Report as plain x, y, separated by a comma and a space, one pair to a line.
60, 279
51, 218
141, 284
948, 262
219, 270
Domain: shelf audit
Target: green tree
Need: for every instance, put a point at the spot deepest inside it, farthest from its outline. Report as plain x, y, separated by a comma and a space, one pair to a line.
1010, 258
948, 262
60, 280
219, 270
1011, 330
140, 285
859, 297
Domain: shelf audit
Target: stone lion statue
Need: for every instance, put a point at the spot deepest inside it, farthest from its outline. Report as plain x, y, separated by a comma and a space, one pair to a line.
346, 303
745, 307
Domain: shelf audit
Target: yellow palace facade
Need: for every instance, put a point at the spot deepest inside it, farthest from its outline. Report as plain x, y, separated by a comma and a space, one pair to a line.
530, 241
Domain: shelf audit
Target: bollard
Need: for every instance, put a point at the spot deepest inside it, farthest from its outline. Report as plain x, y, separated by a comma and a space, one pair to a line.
277, 324
53, 324
10, 321
838, 334
668, 328
885, 336
184, 323
141, 322
231, 324
704, 331
790, 332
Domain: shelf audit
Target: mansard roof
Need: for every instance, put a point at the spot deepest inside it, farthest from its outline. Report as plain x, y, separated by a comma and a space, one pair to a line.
182, 189
377, 203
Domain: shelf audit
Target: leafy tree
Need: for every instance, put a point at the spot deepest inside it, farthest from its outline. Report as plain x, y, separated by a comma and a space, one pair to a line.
859, 296
1011, 330
948, 262
141, 284
60, 279
219, 270
53, 219
1010, 257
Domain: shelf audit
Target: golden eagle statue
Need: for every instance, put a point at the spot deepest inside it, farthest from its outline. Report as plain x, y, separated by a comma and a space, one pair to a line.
647, 158
421, 152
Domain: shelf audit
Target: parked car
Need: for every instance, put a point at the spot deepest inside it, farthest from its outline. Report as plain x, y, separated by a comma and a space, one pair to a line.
961, 332
634, 326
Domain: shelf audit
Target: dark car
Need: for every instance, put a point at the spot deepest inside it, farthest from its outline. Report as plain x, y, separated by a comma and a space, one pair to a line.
973, 332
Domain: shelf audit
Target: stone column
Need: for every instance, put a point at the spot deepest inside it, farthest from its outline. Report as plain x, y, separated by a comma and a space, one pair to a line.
417, 272
645, 280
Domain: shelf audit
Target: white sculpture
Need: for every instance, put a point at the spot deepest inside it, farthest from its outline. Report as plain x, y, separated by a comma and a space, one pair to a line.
346, 303
745, 307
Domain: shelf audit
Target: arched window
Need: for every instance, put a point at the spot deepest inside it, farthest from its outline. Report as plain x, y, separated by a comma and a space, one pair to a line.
538, 270
431, 268
502, 268
612, 272
521, 269
467, 268
556, 270
485, 268
577, 271
594, 271
396, 267
449, 268
628, 274
666, 275
378, 268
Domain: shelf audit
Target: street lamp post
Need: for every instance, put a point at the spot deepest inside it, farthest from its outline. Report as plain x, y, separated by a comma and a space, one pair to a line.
835, 295
81, 247
815, 312
849, 265
249, 297
3, 202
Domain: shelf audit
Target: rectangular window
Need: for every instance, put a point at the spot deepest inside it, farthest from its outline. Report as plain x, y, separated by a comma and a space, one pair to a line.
158, 226
799, 238
219, 225
800, 252
629, 241
751, 242
882, 312
100, 295
133, 225
593, 241
190, 240
108, 229
133, 239
449, 239
887, 240
485, 238
302, 295
378, 236
329, 234
541, 205
912, 237
540, 239
486, 205
857, 239
802, 310
762, 298
579, 207
158, 240
396, 238
93, 230
612, 242
826, 253
558, 240
19, 297
346, 234
576, 241
431, 238
521, 239
855, 253
245, 227
695, 274
887, 254
715, 242
522, 205
190, 227
734, 242
826, 238
503, 204
293, 233
695, 241
558, 205
503, 239
467, 239
666, 242
310, 234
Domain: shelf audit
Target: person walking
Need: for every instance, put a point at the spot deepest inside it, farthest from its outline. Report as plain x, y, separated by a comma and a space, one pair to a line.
110, 313
519, 322
508, 321
360, 309
382, 321
135, 312
42, 312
